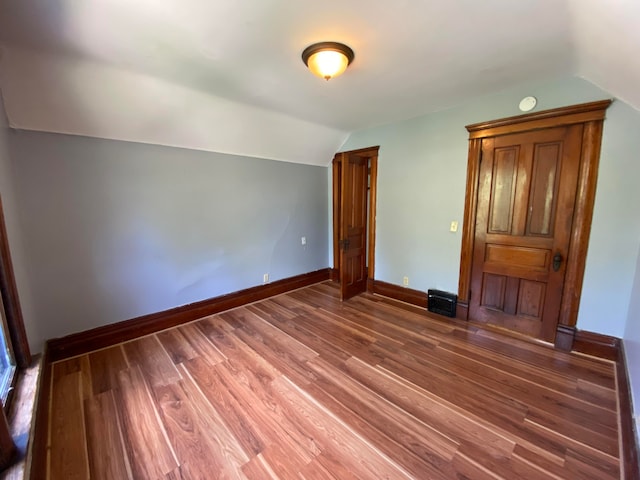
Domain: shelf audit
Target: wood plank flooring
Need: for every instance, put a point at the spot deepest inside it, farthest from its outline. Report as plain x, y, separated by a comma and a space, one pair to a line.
302, 386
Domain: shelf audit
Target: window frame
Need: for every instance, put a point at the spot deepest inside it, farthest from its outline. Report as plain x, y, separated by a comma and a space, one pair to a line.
8, 374
13, 323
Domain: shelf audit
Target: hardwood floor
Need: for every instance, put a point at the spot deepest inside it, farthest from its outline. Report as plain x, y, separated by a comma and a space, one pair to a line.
304, 386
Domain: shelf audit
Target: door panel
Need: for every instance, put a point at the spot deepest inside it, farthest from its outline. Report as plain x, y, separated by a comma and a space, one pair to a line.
494, 291
523, 256
353, 225
544, 187
526, 196
531, 298
503, 191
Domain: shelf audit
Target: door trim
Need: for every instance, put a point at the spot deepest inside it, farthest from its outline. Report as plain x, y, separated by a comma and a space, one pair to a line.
372, 154
592, 115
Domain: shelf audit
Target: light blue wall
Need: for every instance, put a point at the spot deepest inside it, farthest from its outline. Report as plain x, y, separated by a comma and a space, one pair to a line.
114, 230
421, 188
615, 234
13, 227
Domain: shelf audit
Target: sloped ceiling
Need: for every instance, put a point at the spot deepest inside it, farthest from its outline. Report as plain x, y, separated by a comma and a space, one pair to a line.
226, 75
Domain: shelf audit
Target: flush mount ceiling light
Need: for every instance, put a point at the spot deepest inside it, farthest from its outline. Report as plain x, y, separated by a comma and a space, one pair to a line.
327, 59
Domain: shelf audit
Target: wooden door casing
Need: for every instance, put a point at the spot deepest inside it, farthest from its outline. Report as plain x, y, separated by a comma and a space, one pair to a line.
526, 197
591, 116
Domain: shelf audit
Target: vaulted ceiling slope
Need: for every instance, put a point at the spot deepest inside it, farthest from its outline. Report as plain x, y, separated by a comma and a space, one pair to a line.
226, 75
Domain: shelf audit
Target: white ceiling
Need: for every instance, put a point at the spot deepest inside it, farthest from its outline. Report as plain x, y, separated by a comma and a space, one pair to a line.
226, 75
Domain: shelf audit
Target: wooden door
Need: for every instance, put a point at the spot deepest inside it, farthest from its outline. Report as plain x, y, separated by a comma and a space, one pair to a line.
353, 224
526, 197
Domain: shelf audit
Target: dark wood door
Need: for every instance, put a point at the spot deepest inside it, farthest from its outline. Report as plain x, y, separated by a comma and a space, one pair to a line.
353, 224
526, 198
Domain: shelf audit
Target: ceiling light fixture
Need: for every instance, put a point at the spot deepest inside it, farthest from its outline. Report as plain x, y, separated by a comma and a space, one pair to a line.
327, 59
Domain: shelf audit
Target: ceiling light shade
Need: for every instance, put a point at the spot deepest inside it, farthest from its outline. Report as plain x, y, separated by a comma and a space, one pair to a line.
327, 59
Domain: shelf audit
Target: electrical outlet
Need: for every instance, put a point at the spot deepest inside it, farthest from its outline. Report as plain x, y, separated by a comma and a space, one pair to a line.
303, 240
265, 278
405, 281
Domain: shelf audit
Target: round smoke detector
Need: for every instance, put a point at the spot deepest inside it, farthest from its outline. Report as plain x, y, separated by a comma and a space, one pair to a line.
527, 104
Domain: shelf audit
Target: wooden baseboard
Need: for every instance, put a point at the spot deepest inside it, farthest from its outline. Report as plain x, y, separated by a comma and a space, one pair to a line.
596, 344
627, 422
404, 294
101, 337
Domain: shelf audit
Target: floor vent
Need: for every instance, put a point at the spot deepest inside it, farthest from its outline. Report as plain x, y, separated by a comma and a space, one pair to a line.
441, 302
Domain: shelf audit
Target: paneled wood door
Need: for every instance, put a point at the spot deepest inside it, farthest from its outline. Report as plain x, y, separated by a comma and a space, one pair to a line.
354, 219
531, 183
353, 224
526, 199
